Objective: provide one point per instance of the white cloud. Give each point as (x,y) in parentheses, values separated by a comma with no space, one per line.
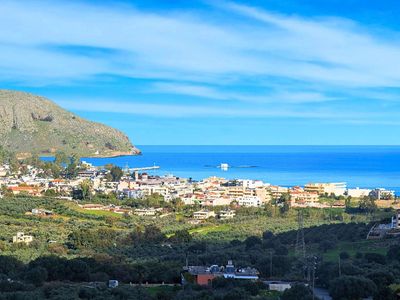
(287,60)
(190,111)
(191,46)
(294,97)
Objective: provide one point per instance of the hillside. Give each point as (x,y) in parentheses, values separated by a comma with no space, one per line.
(33,124)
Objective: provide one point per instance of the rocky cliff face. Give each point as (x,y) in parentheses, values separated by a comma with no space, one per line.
(33,124)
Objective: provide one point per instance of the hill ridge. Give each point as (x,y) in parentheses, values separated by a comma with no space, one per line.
(33,124)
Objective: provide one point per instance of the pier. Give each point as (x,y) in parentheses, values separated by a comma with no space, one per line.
(143,169)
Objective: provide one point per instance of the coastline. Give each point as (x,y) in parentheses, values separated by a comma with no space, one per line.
(364,167)
(114,154)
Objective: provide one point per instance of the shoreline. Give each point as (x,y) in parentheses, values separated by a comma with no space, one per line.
(115,154)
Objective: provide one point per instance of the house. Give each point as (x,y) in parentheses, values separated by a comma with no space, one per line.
(22,238)
(87,173)
(41,212)
(379,231)
(299,196)
(396,220)
(249,201)
(203,275)
(203,214)
(220,201)
(133,193)
(30,190)
(3,171)
(227,214)
(279,286)
(382,194)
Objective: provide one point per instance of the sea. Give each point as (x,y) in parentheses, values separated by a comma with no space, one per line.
(359,166)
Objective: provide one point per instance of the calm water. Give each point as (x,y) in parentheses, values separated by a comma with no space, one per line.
(359,166)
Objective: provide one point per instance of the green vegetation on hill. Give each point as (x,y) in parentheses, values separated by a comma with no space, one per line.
(75,246)
(33,124)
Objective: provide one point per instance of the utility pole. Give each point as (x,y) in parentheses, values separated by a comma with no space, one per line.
(270,263)
(187,260)
(313,282)
(314,266)
(300,248)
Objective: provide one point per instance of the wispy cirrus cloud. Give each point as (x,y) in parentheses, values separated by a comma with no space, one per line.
(140,108)
(184,43)
(241,54)
(204,91)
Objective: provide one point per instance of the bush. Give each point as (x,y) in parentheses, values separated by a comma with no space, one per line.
(297,292)
(344,255)
(252,241)
(36,276)
(351,287)
(375,257)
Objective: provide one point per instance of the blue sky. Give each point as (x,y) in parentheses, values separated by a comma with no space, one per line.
(301,72)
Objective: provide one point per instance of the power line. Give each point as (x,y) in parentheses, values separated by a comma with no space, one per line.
(300,248)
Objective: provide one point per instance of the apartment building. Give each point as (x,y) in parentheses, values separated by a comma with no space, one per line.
(336,188)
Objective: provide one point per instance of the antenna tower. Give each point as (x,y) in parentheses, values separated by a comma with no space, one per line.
(300,248)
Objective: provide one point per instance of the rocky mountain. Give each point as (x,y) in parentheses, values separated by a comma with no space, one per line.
(33,124)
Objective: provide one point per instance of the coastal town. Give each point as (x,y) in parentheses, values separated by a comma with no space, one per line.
(89,181)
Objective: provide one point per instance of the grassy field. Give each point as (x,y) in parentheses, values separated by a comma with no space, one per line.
(154,290)
(352,248)
(204,230)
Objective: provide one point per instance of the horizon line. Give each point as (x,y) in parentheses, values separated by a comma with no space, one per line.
(263,145)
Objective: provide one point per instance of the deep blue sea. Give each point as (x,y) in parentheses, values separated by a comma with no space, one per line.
(359,166)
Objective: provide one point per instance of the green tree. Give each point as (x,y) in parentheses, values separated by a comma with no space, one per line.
(61,158)
(86,187)
(72,167)
(351,288)
(115,174)
(154,200)
(284,203)
(367,204)
(36,276)
(297,292)
(178,204)
(181,236)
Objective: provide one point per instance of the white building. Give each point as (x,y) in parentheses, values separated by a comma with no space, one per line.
(203,214)
(133,193)
(277,191)
(252,184)
(249,201)
(336,188)
(358,193)
(227,214)
(220,201)
(396,220)
(22,238)
(382,194)
(3,171)
(279,286)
